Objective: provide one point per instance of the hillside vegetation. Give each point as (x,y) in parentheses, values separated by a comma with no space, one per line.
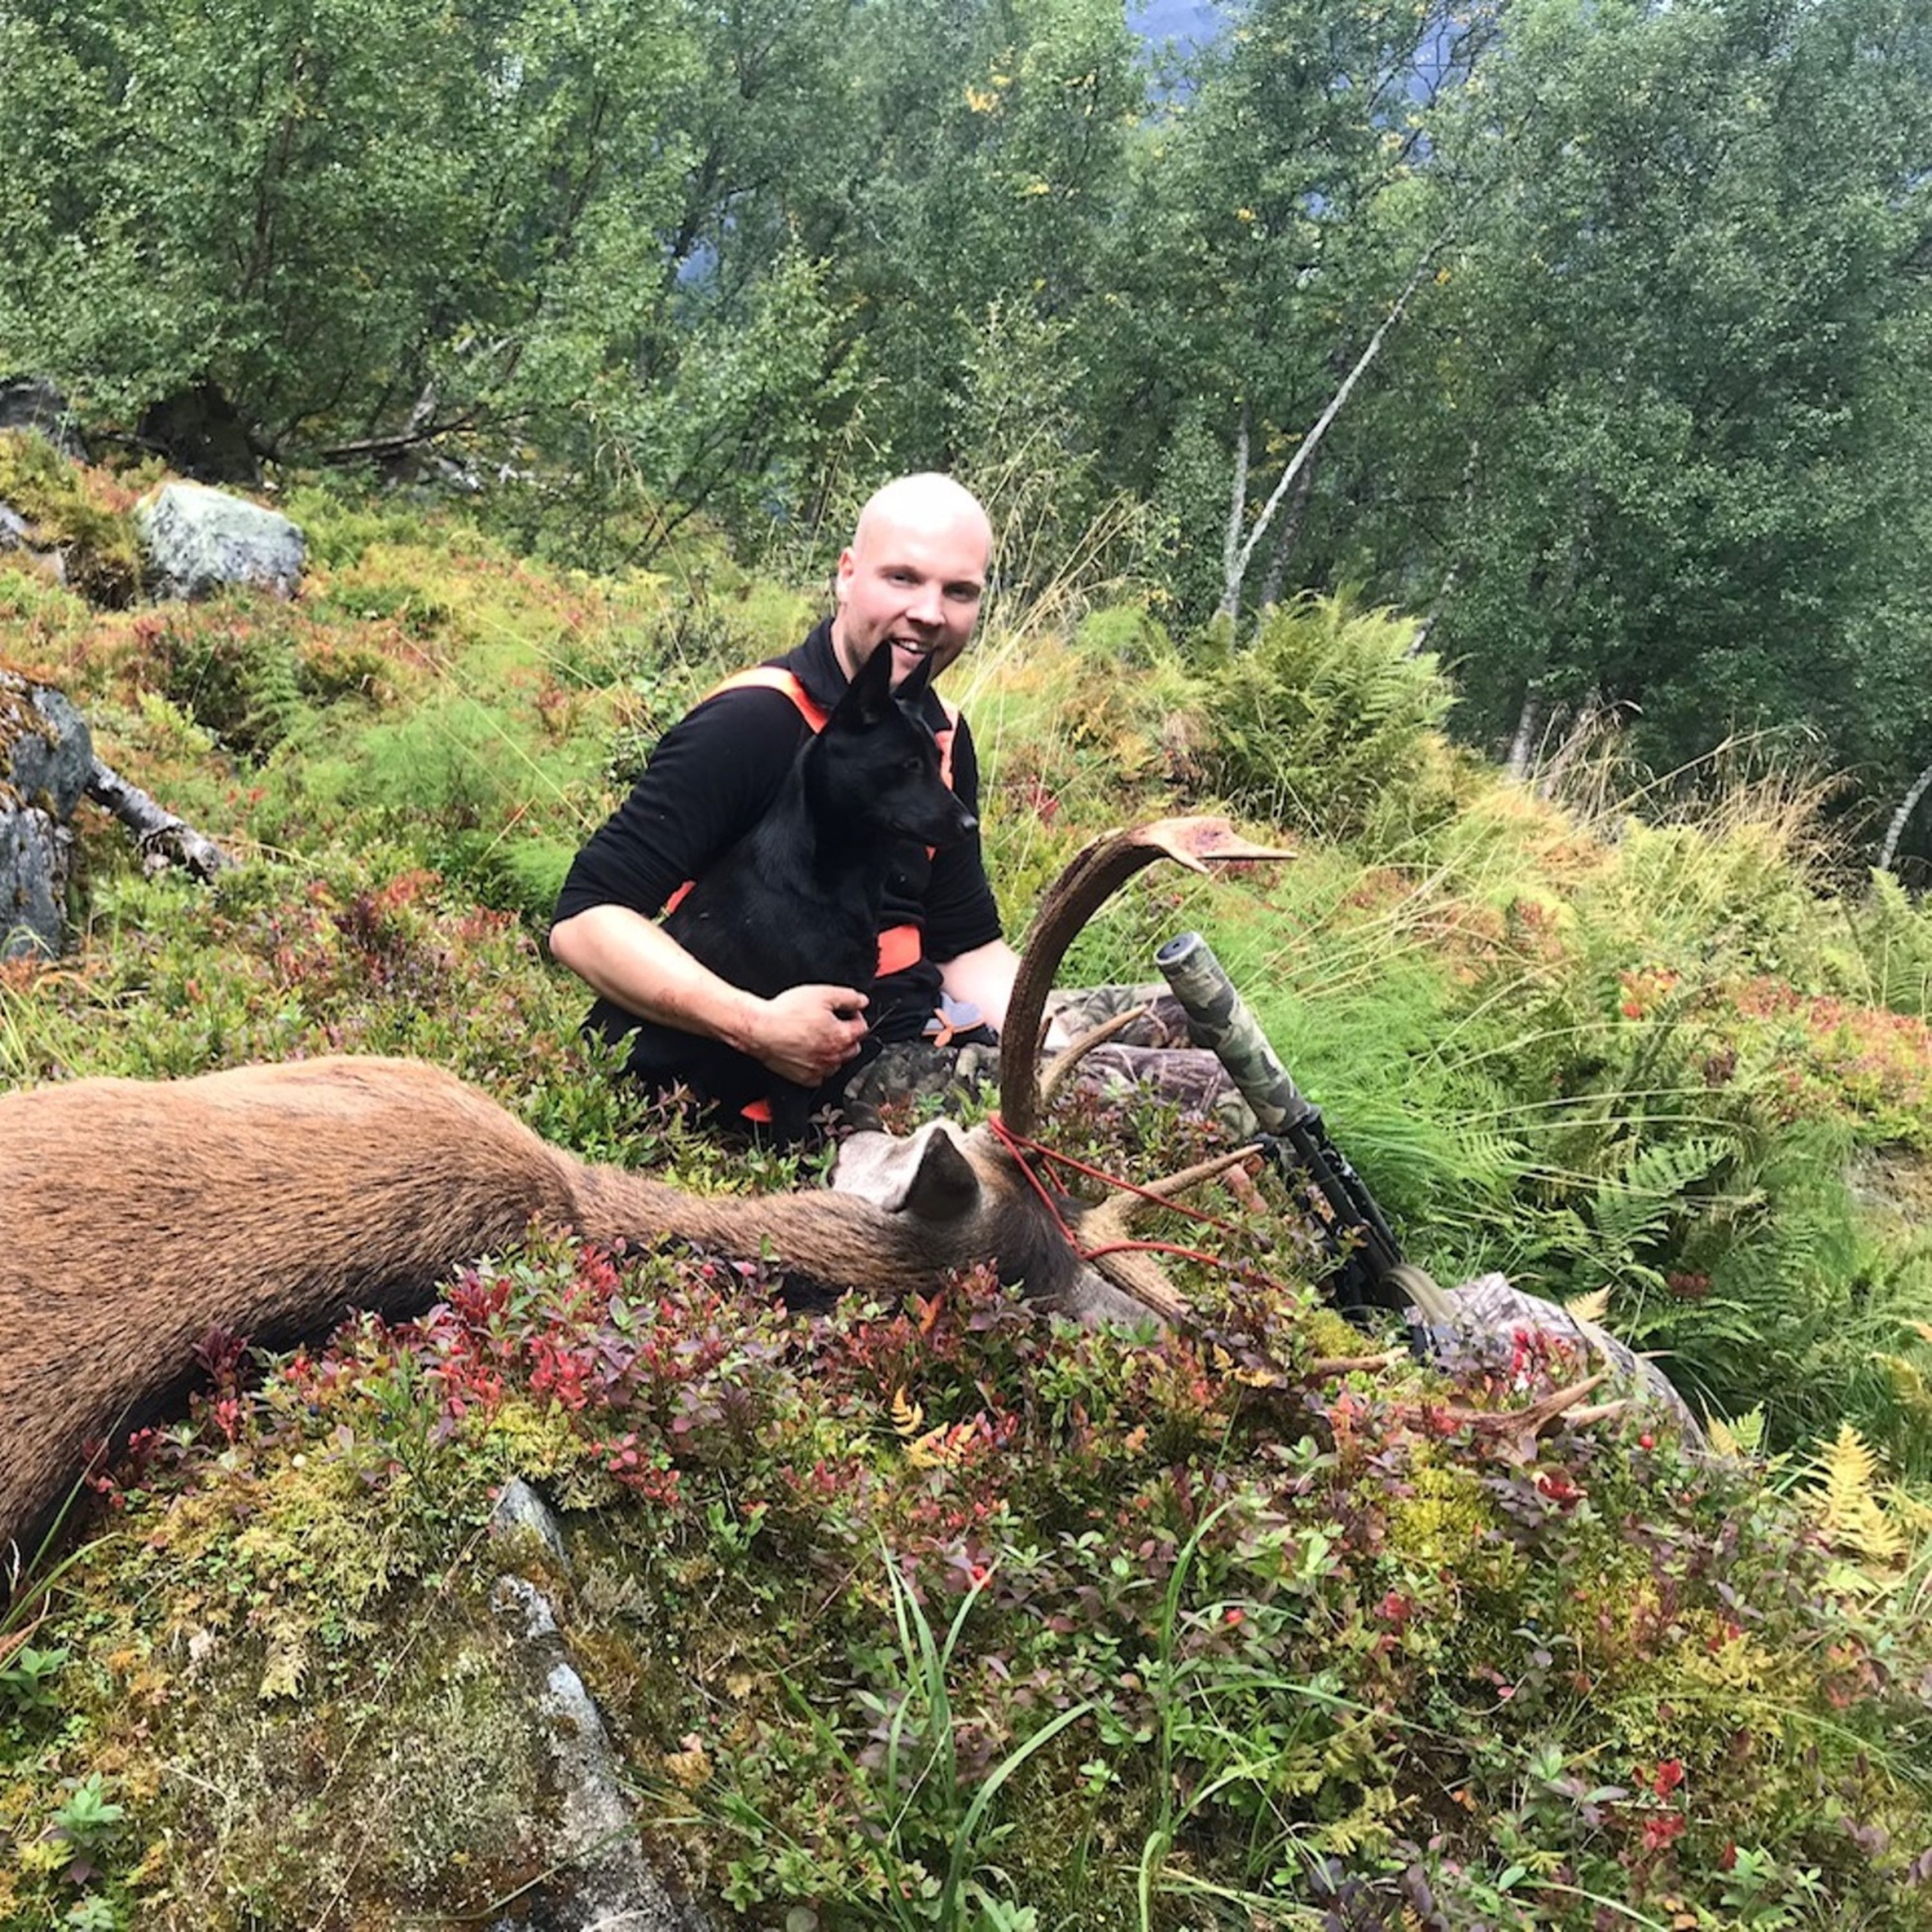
(941,1615)
(1594,330)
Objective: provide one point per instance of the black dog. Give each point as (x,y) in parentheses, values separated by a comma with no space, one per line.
(797,901)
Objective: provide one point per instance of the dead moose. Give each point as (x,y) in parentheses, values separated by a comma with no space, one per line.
(135,1217)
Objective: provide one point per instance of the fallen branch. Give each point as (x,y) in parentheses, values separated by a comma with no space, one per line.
(164,838)
(1324,1367)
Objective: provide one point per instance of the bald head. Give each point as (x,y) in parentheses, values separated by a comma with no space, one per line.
(928,501)
(913,576)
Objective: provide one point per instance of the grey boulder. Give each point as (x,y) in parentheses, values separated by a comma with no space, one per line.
(198,539)
(45,756)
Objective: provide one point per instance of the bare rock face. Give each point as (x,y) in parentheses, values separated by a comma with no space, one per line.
(198,539)
(46,755)
(603,1881)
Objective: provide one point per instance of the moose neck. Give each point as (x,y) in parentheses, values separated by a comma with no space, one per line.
(834,1239)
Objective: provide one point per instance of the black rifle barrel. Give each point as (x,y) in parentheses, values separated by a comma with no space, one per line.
(1219,1019)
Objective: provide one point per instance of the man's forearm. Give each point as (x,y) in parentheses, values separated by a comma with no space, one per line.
(634,963)
(983,978)
(805,1034)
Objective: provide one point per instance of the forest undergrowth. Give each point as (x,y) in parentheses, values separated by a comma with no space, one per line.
(944,1615)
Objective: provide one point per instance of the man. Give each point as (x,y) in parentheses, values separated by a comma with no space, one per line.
(910,582)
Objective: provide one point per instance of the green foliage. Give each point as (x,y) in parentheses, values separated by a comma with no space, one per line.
(1648,437)
(238,679)
(1892,933)
(88,1818)
(1325,716)
(1667,475)
(80,513)
(254,215)
(27,1677)
(1140,1639)
(943,1822)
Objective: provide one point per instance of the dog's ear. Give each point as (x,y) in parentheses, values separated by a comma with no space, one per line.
(913,688)
(869,697)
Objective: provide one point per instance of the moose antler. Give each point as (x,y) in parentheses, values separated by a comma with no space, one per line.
(1093,876)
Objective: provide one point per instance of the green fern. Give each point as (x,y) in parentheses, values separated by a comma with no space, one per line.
(1634,1207)
(1893,937)
(1324,714)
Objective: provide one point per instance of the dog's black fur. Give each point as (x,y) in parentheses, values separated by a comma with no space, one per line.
(796,901)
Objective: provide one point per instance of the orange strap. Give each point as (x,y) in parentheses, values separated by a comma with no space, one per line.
(769,677)
(900,946)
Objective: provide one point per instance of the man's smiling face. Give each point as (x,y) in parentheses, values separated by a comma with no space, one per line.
(912,579)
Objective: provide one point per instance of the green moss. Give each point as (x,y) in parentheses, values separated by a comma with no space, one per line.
(82,513)
(427,1738)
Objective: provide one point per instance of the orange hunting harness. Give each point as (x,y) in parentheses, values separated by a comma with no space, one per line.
(900,946)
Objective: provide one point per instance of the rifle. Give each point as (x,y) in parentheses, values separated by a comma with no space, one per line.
(1371,1272)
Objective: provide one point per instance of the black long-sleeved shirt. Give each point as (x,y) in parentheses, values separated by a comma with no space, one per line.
(715,774)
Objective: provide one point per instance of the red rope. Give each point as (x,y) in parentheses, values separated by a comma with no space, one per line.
(1020,1145)
(1155,1248)
(1015,1146)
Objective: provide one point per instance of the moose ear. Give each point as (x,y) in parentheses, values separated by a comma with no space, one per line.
(928,1177)
(946,1185)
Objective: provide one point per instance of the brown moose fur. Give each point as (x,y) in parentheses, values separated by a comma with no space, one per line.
(136,1216)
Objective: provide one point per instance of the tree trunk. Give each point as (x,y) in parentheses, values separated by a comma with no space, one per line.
(1287,536)
(1895,831)
(1236,555)
(1529,727)
(164,838)
(1232,562)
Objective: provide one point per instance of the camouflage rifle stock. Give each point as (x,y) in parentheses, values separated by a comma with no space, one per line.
(1372,1271)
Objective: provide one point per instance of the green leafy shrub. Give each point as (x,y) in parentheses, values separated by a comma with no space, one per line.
(233,668)
(1892,937)
(1324,716)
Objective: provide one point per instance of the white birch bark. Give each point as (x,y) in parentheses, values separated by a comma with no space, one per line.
(163,838)
(1237,555)
(1907,805)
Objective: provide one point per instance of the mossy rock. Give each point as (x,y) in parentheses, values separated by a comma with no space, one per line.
(79,514)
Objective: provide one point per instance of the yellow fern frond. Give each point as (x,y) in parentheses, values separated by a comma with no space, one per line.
(1743,1437)
(1846,1497)
(908,1417)
(1910,1385)
(1589,1307)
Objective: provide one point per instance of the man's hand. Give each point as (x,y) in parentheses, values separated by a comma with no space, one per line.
(805,1034)
(808,1033)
